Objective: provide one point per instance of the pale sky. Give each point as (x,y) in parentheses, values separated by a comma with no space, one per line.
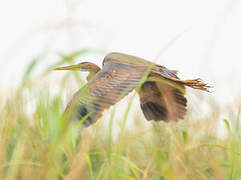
(209,47)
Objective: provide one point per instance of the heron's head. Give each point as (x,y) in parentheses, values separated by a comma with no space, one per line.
(84,66)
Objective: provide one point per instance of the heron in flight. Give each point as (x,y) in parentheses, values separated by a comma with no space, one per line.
(161,92)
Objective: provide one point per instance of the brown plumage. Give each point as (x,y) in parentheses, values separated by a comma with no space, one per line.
(161,91)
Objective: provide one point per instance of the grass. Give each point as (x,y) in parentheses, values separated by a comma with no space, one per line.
(38,145)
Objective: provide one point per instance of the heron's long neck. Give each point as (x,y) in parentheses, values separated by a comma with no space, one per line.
(92,71)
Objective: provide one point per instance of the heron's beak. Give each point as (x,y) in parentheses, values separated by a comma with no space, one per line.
(71,68)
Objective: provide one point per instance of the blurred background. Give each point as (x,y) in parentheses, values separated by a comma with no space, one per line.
(198,38)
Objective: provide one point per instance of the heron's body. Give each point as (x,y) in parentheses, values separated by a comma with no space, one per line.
(161,91)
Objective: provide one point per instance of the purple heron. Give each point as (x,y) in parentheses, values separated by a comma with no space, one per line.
(161,92)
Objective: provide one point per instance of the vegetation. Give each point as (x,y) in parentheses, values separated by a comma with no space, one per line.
(35,142)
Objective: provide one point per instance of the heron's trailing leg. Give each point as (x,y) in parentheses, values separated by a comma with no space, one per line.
(195,84)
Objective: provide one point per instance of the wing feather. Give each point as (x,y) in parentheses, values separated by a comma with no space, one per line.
(162,101)
(107,87)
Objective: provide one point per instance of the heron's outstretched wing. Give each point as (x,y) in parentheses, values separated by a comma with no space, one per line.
(157,69)
(107,87)
(163,101)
